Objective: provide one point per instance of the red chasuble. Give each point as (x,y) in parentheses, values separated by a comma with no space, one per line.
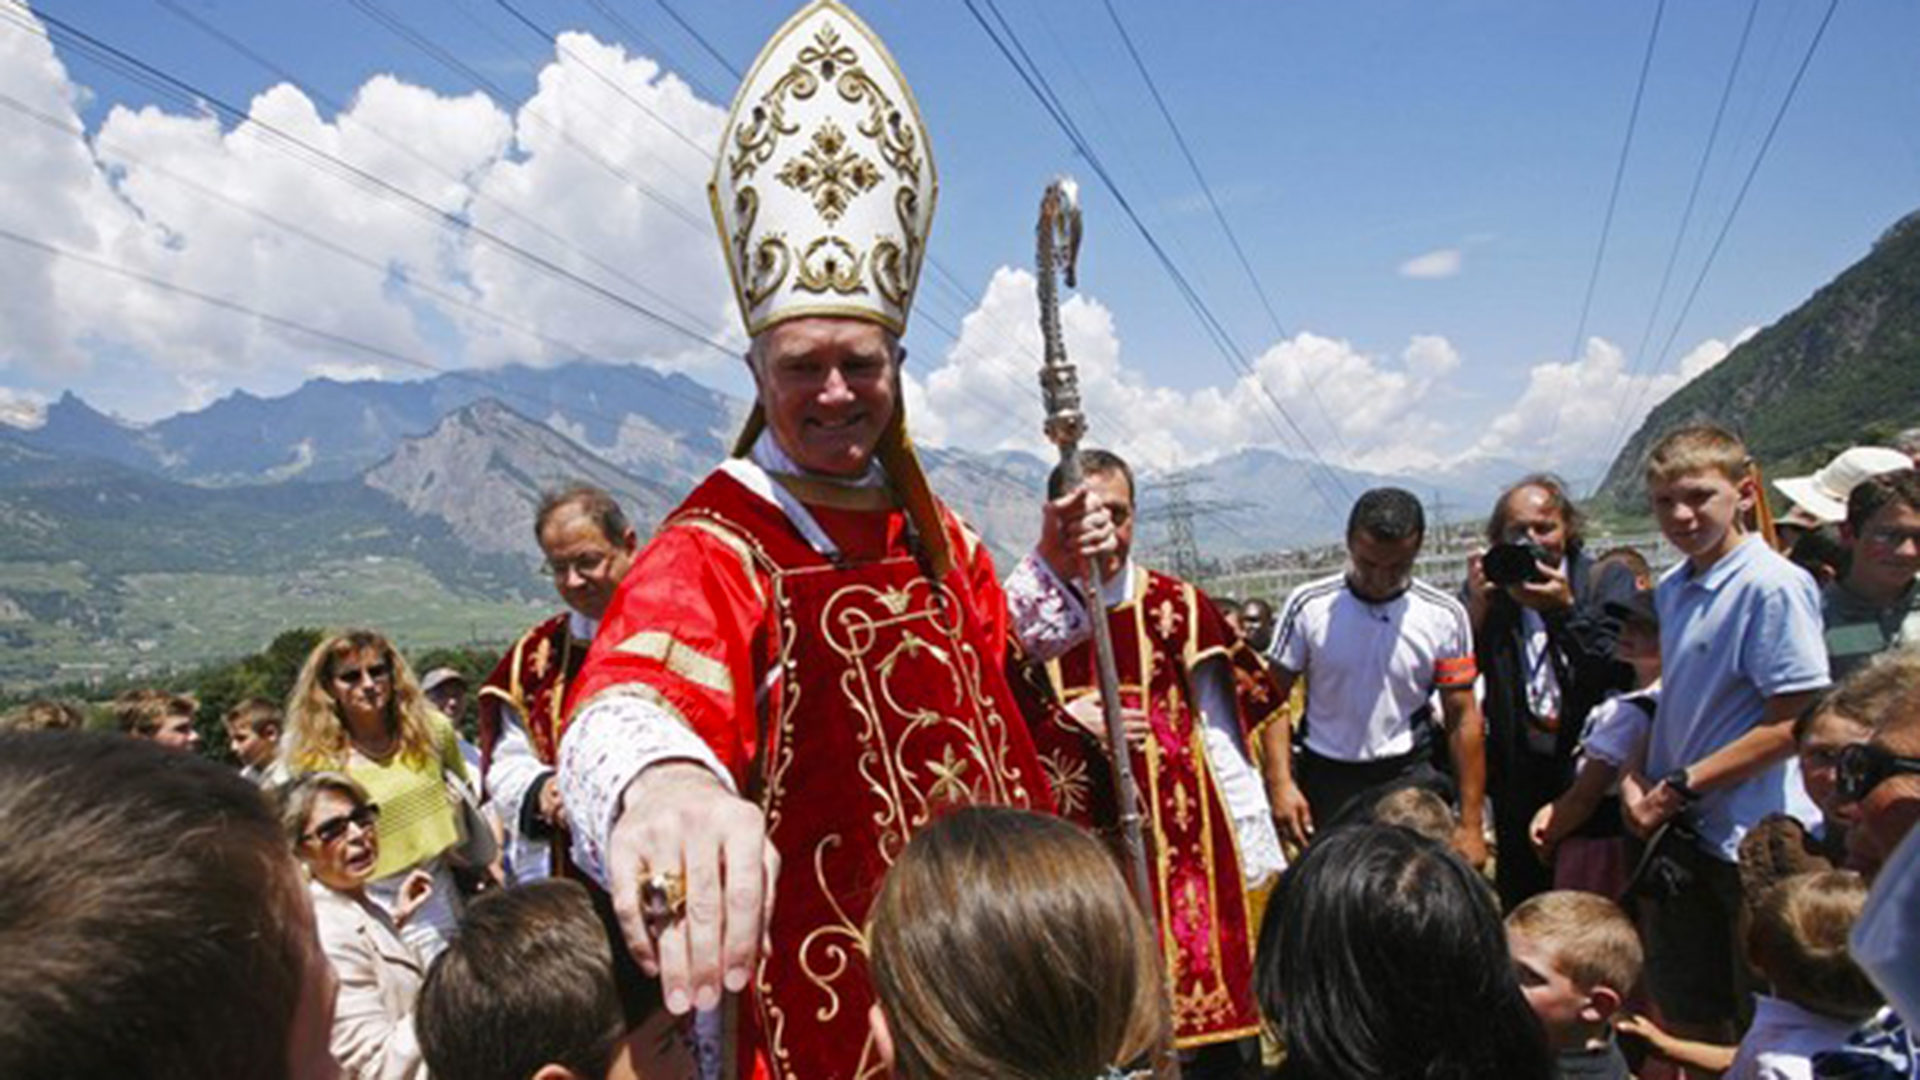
(1160,635)
(891,702)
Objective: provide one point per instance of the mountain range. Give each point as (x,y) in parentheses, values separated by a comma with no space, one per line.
(410,505)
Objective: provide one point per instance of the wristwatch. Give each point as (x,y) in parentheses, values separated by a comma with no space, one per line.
(1677,781)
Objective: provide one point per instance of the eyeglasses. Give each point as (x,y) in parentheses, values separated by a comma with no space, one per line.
(334,828)
(352,676)
(1864,766)
(1891,538)
(589,565)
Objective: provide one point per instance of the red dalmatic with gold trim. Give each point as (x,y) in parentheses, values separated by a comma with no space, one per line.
(1161,633)
(853,699)
(533,678)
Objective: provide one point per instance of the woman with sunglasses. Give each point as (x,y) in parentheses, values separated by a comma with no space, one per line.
(332,826)
(357,709)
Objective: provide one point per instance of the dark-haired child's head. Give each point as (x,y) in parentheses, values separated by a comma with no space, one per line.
(1578,957)
(536,986)
(1006,944)
(1382,956)
(1797,940)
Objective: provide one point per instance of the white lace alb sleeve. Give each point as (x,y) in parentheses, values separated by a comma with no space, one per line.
(1049,617)
(512,778)
(1246,797)
(514,768)
(612,740)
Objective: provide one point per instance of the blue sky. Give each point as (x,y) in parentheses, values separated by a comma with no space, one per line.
(1345,141)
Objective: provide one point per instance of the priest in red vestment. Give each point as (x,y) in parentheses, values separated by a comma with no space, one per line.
(809,660)
(588,546)
(1193,694)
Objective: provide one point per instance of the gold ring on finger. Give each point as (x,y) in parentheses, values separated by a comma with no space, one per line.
(663,897)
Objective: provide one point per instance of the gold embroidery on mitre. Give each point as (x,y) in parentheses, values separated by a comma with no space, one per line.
(817,249)
(833,174)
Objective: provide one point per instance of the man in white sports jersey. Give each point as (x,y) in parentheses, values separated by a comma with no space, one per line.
(1375,645)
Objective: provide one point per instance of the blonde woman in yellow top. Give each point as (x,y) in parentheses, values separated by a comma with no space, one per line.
(357,709)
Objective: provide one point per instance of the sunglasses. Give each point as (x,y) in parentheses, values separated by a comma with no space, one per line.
(352,676)
(1861,767)
(334,828)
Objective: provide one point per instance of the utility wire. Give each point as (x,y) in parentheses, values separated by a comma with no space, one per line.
(1613,201)
(1219,215)
(1639,360)
(284,323)
(325,161)
(1733,212)
(480,195)
(1035,83)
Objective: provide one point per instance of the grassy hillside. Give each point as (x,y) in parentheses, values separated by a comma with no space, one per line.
(1840,370)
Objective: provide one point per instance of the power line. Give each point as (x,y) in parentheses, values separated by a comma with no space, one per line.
(1613,200)
(547,35)
(1740,198)
(327,162)
(1686,218)
(279,321)
(425,44)
(1036,84)
(480,195)
(1219,215)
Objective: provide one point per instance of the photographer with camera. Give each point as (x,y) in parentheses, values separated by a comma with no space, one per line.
(1545,649)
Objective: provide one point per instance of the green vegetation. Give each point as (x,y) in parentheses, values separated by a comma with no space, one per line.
(147,626)
(1842,369)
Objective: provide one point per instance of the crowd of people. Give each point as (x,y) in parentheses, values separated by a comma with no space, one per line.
(803,787)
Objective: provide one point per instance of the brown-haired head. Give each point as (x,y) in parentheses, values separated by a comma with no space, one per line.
(44,714)
(530,980)
(1699,448)
(1798,940)
(318,733)
(1073,987)
(1419,809)
(1590,940)
(139,712)
(599,507)
(153,921)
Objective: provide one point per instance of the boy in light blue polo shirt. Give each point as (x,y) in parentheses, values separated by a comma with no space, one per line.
(1740,634)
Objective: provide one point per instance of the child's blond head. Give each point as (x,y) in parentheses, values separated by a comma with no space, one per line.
(1698,448)
(1588,938)
(1798,939)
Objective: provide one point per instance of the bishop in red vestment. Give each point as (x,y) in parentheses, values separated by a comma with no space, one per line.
(810,658)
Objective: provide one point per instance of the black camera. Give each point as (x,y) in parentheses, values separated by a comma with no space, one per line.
(1514,564)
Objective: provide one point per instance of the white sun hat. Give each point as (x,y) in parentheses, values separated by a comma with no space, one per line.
(1824,494)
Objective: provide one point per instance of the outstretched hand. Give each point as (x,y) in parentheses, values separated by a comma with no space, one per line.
(677,817)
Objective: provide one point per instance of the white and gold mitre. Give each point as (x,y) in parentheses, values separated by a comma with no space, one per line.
(824,188)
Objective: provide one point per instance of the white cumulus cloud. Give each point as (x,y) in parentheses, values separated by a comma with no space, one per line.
(179,197)
(1440,263)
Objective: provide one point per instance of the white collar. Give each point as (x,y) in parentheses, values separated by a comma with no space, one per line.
(768,455)
(581,628)
(1118,589)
